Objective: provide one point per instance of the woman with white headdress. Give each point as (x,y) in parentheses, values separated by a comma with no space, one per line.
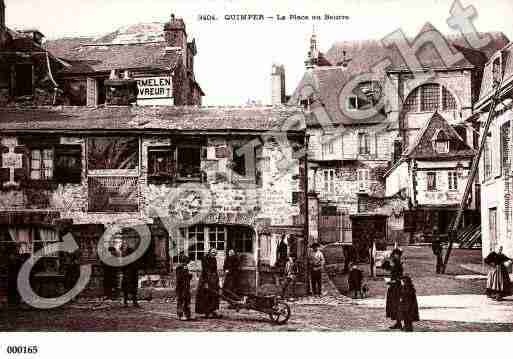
(498,284)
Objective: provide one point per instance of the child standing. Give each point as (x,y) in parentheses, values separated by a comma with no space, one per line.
(183,289)
(354,281)
(408,306)
(289,280)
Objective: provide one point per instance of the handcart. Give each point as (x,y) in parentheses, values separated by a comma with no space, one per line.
(277,309)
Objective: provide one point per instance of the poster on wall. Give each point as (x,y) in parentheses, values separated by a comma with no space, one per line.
(154,88)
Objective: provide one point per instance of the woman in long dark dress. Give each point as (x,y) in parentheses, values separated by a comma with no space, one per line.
(498,284)
(395,267)
(207,295)
(408,305)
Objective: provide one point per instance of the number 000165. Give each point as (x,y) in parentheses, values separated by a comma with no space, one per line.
(22,349)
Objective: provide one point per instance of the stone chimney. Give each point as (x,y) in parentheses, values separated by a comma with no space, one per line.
(120,91)
(278,95)
(174,33)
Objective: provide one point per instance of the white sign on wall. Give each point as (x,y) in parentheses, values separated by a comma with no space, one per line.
(154,87)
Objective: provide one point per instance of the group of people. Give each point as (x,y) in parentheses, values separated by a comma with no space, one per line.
(208,291)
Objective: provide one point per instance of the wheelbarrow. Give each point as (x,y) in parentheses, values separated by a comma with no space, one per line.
(277,309)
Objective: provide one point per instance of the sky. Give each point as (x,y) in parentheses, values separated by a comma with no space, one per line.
(234,58)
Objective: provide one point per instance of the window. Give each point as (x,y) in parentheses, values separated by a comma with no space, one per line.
(441,142)
(412,101)
(431,181)
(68,163)
(217,237)
(195,242)
(161,163)
(364,143)
(487,164)
(23,80)
(505,147)
(241,240)
(429,98)
(327,146)
(448,101)
(328,177)
(358,103)
(41,164)
(113,174)
(296,197)
(239,161)
(453,181)
(363,180)
(189,162)
(328,210)
(113,153)
(492,225)
(27,241)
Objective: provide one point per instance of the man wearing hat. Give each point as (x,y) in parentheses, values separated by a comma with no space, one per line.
(316,265)
(183,288)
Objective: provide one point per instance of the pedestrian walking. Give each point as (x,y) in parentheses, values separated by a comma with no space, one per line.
(436,246)
(110,277)
(207,295)
(354,281)
(498,284)
(289,279)
(395,267)
(316,266)
(183,289)
(231,269)
(130,280)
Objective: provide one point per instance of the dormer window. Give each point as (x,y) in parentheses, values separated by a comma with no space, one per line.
(367,95)
(441,142)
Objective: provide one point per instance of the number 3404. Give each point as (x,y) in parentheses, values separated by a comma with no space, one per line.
(22,349)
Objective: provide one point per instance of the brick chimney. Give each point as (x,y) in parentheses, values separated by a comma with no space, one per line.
(120,91)
(278,95)
(176,36)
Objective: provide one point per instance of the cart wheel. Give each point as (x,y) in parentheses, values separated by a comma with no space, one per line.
(280,313)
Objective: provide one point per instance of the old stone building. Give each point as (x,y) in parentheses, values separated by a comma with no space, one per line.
(368,108)
(27,70)
(188,178)
(495,165)
(159,57)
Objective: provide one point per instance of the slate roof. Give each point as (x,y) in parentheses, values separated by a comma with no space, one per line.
(507,64)
(103,58)
(422,148)
(145,118)
(363,55)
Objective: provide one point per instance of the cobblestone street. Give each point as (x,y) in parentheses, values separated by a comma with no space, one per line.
(453,302)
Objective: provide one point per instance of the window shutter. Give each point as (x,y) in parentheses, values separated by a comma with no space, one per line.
(92,92)
(68,163)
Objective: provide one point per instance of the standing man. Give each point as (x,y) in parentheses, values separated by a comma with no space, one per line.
(436,246)
(130,279)
(316,266)
(231,274)
(183,289)
(289,278)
